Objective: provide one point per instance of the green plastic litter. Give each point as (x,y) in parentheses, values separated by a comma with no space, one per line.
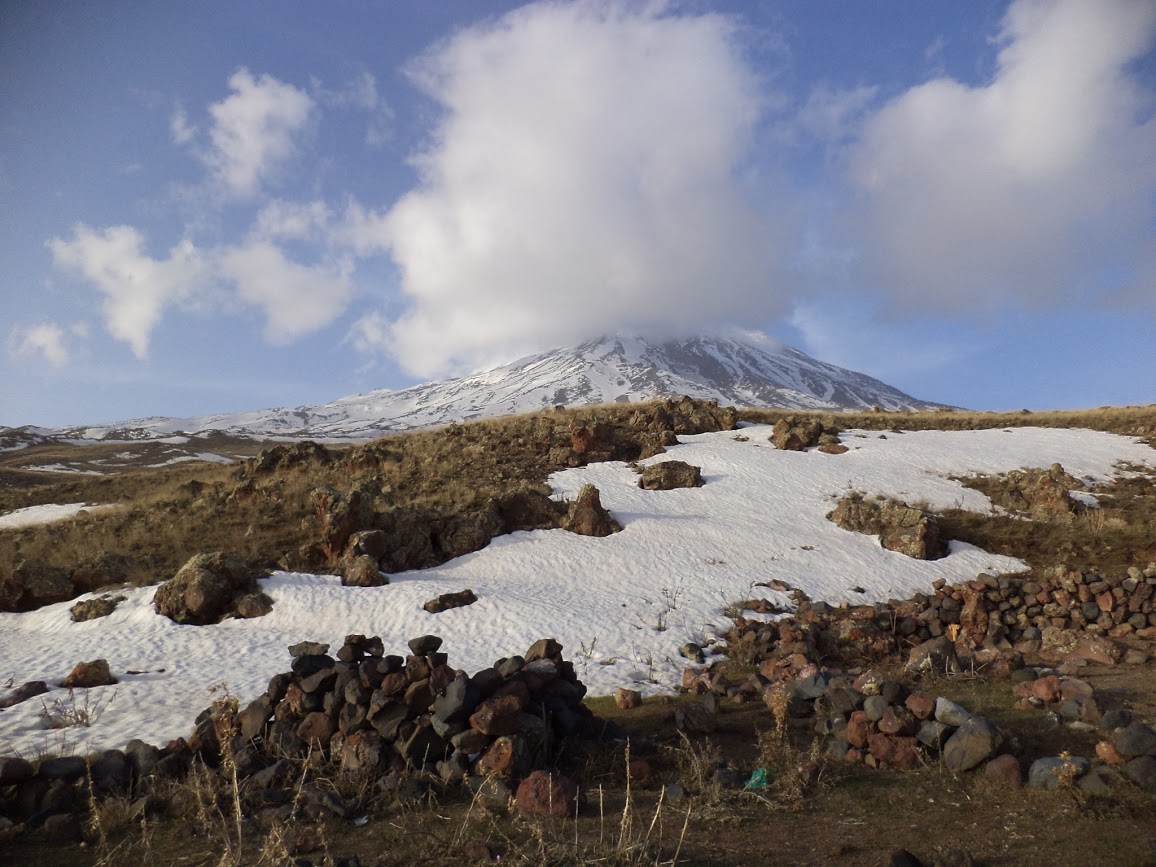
(758,779)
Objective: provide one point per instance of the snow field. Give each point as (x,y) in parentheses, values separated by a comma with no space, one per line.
(621,606)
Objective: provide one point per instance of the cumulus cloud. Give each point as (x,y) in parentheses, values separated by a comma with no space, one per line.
(136,287)
(254,131)
(297,299)
(1032,188)
(583,178)
(46,341)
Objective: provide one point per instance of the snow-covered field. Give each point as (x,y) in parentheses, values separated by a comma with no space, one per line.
(621,606)
(47,514)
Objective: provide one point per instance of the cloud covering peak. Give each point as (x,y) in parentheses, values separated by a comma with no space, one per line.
(584,177)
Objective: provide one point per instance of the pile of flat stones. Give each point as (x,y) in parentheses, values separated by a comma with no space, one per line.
(991,622)
(375,713)
(403,722)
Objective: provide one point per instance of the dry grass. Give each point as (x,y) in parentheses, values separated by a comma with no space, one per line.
(167,515)
(1138,421)
(1119,534)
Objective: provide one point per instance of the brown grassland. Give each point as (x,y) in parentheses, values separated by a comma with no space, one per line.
(841,815)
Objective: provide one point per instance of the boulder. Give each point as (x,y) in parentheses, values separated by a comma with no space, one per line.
(206,589)
(973,743)
(1039,492)
(1052,772)
(626,698)
(24,692)
(796,434)
(446,601)
(669,475)
(1135,739)
(1005,769)
(91,609)
(1142,771)
(587,517)
(529,510)
(362,571)
(89,674)
(105,568)
(936,655)
(909,531)
(547,794)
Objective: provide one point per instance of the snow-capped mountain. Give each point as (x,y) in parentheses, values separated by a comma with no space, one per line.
(743,369)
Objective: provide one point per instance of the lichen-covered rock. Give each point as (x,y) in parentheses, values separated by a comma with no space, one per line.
(91,609)
(207,589)
(900,527)
(793,434)
(669,475)
(1039,492)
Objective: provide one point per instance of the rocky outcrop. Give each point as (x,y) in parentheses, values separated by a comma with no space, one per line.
(210,588)
(338,518)
(1042,493)
(900,527)
(100,570)
(797,434)
(668,475)
(587,516)
(33,583)
(286,458)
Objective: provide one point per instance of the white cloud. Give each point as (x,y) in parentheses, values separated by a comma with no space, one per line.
(296,299)
(254,131)
(582,179)
(45,341)
(181,130)
(1037,187)
(136,287)
(369,334)
(299,221)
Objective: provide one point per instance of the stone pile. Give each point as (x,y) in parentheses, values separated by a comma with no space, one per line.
(372,712)
(991,622)
(399,721)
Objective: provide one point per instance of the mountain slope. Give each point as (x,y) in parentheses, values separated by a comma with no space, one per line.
(744,370)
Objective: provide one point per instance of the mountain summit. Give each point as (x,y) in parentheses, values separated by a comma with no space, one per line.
(743,369)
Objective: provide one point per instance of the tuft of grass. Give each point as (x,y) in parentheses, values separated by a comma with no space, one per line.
(73,712)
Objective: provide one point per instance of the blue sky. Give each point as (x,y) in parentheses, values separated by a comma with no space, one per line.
(225,206)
